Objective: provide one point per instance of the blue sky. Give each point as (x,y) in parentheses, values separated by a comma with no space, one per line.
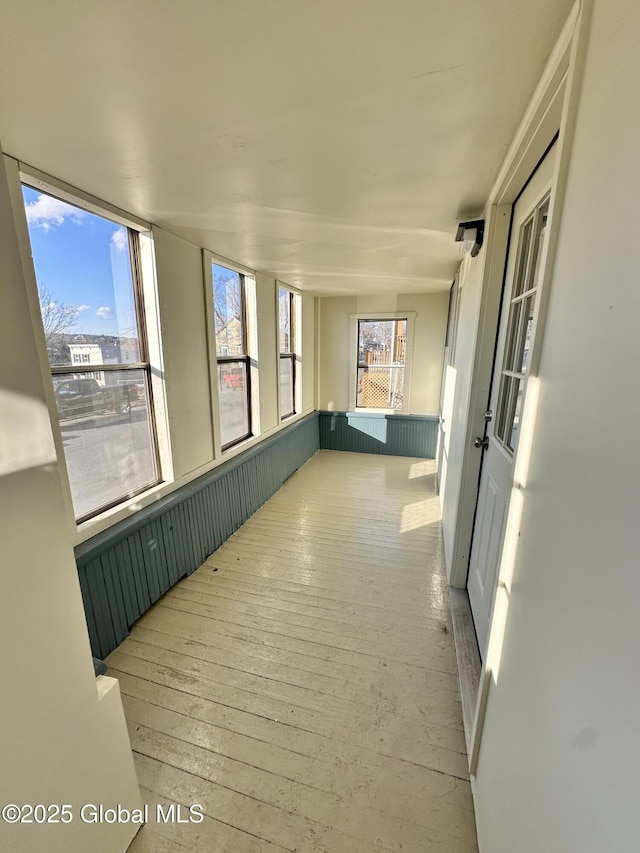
(83,261)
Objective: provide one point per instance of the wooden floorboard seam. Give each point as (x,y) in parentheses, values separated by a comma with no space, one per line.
(302,684)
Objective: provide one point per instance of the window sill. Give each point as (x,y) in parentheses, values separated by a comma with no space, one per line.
(240,444)
(92,526)
(365,411)
(100,523)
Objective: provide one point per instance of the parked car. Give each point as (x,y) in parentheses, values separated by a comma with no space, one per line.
(75,397)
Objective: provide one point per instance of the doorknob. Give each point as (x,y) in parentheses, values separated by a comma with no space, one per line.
(481,442)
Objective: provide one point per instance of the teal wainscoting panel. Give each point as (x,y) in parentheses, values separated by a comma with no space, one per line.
(368,432)
(124,570)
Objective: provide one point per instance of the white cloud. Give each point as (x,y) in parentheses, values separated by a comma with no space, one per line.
(104,311)
(82,308)
(119,240)
(47,212)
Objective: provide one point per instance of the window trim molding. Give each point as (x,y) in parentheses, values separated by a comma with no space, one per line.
(19,174)
(410,317)
(295,353)
(65,192)
(209,258)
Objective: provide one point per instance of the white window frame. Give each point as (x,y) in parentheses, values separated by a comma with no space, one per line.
(21,173)
(209,258)
(410,317)
(296,348)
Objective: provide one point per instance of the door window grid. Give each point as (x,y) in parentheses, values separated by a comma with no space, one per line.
(519,328)
(232,355)
(106,416)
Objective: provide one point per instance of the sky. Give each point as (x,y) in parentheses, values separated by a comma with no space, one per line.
(83,261)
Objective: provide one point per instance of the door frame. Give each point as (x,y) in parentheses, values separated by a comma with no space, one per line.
(536,193)
(446,399)
(552,111)
(542,121)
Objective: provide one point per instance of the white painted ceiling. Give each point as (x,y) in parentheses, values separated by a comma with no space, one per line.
(332,143)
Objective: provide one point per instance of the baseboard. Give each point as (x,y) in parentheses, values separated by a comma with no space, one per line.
(125,569)
(374,432)
(468,656)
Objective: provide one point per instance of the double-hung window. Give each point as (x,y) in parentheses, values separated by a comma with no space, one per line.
(87,270)
(287,347)
(381,361)
(381,346)
(232,354)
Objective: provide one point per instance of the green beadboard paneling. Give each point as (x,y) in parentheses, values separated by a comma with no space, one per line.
(369,432)
(124,570)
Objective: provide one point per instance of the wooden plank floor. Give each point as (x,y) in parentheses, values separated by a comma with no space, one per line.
(301,685)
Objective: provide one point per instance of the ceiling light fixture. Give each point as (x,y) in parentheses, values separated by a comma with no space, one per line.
(470,235)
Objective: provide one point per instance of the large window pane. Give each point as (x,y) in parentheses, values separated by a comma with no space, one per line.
(234,401)
(85,284)
(89,296)
(229,307)
(286,387)
(229,312)
(284,318)
(288,367)
(107,436)
(381,359)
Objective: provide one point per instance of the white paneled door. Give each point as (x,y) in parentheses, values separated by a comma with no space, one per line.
(516,337)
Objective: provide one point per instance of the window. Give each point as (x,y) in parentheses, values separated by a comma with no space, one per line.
(232,354)
(382,348)
(287,347)
(87,271)
(519,328)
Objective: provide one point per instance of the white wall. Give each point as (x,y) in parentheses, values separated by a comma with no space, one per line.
(456,401)
(334,346)
(266,293)
(185,352)
(308,352)
(181,296)
(559,758)
(60,742)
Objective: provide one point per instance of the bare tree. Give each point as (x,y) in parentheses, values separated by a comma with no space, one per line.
(57,318)
(226,301)
(228,313)
(284,311)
